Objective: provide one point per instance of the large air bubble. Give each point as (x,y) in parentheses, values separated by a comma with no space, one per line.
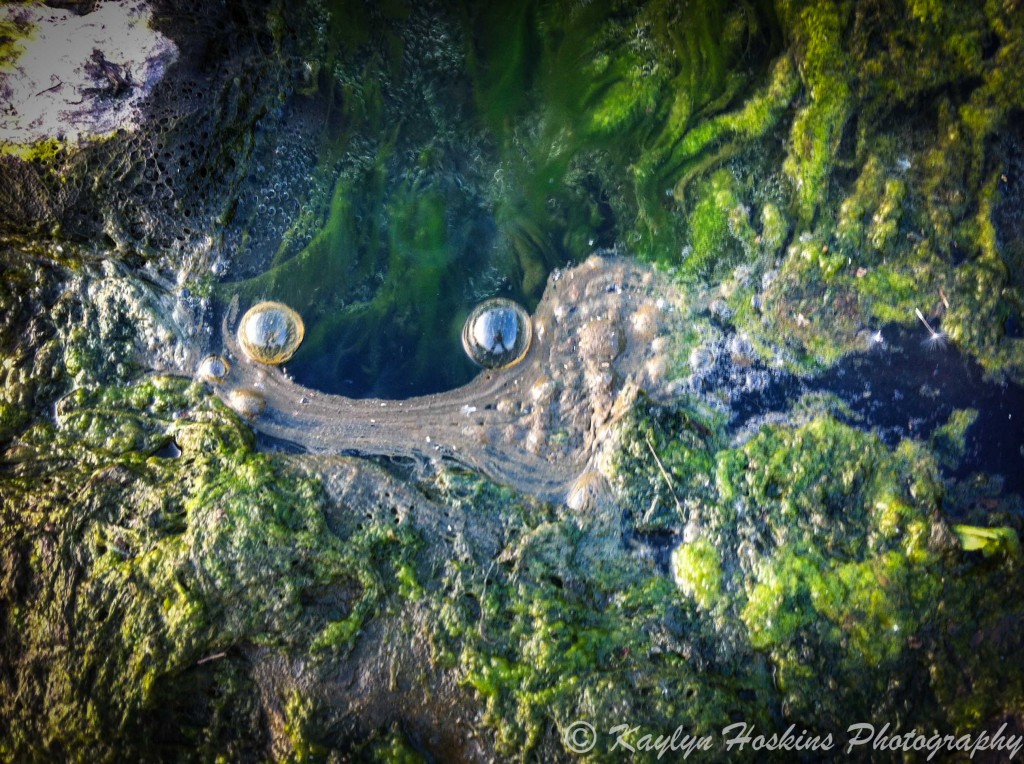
(270,332)
(497,333)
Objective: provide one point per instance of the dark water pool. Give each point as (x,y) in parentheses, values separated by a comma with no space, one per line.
(904,388)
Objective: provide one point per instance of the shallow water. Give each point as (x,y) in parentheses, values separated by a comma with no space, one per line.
(905,389)
(383,224)
(387,281)
(420,159)
(386,207)
(421,179)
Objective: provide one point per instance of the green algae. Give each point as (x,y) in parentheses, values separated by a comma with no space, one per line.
(886,189)
(720,232)
(157,564)
(817,548)
(542,636)
(856,571)
(948,442)
(302,730)
(988,541)
(41,151)
(11,32)
(393,246)
(845,151)
(752,120)
(392,748)
(620,87)
(682,441)
(891,242)
(697,570)
(817,31)
(140,580)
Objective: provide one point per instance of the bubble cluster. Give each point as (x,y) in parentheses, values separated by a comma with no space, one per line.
(276,201)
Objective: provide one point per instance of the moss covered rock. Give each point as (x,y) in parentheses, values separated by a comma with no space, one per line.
(136,577)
